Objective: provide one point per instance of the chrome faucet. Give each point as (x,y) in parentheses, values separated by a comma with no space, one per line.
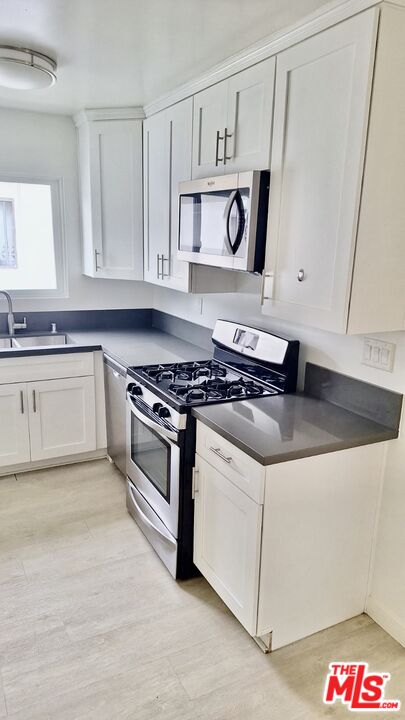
(12,325)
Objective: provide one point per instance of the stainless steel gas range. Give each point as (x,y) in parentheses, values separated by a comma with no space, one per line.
(247,363)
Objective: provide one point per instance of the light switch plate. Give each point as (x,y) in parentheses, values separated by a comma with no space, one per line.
(378,354)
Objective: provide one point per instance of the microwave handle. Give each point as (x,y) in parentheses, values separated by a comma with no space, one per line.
(171,434)
(234,197)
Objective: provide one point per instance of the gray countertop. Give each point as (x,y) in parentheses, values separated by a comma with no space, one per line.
(287,427)
(140,346)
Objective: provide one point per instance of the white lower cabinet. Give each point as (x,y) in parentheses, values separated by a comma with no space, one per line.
(62,417)
(227,534)
(45,416)
(293,560)
(14,435)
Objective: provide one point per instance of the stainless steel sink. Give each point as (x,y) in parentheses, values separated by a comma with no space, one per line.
(5,343)
(21,341)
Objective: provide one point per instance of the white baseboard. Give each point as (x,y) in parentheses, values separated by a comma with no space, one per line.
(53,462)
(386,619)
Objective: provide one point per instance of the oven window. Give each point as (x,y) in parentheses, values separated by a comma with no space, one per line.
(151,454)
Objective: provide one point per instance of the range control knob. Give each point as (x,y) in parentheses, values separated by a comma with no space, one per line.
(164,412)
(135,390)
(156,407)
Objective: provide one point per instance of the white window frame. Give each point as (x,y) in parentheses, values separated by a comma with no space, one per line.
(58,223)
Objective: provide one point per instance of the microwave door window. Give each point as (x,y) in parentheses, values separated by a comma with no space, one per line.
(203,222)
(190,223)
(213,236)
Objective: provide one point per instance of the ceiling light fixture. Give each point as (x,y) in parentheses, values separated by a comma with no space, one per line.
(25,69)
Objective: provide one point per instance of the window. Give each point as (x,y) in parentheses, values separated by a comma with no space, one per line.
(31,247)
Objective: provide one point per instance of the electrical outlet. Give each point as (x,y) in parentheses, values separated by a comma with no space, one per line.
(378,354)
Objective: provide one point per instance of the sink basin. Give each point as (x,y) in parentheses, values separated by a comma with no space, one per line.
(38,341)
(5,343)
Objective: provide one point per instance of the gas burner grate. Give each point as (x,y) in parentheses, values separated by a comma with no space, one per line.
(216,389)
(185,371)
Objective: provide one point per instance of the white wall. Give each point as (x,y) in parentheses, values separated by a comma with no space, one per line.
(343,354)
(44,145)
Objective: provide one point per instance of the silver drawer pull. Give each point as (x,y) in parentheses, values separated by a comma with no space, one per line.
(217,451)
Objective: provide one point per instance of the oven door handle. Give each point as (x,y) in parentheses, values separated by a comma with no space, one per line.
(167,538)
(160,429)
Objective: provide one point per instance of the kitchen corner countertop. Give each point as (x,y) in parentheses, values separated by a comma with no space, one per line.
(288,427)
(139,346)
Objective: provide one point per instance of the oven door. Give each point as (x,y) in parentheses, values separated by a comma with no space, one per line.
(153,463)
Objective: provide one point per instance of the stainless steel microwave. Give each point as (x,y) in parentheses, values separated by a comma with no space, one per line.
(223,220)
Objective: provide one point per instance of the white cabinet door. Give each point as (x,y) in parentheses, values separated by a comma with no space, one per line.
(210,116)
(14,433)
(250,117)
(167,161)
(227,536)
(156,194)
(322,98)
(176,273)
(233,121)
(110,163)
(62,417)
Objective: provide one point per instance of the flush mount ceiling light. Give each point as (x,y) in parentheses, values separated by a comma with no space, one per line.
(25,69)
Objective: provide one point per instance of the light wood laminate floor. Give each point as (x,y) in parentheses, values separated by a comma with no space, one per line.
(93,627)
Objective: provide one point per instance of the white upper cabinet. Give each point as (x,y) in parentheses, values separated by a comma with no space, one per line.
(321,123)
(110,167)
(250,116)
(232,123)
(210,118)
(167,161)
(167,142)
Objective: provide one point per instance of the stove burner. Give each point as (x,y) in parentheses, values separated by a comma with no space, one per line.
(216,389)
(244,387)
(166,375)
(185,371)
(209,381)
(196,394)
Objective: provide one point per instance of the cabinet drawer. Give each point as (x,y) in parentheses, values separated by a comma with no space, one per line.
(45,367)
(239,468)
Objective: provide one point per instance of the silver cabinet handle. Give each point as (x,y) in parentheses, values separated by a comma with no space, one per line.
(194,490)
(34,401)
(96,254)
(22,401)
(163,274)
(301,275)
(157,266)
(226,136)
(267,288)
(217,451)
(219,137)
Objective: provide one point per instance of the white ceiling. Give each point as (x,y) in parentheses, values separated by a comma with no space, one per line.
(128,52)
